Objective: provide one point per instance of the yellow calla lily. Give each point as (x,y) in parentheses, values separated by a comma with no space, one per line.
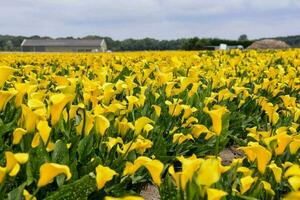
(2,174)
(103,175)
(209,172)
(113,141)
(277,171)
(28,196)
(59,101)
(5,73)
(294,181)
(48,171)
(267,186)
(44,130)
(102,124)
(140,123)
(254,151)
(5,96)
(246,183)
(216,117)
(214,194)
(13,162)
(124,198)
(18,135)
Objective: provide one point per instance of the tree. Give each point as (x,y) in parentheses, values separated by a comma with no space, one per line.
(243,37)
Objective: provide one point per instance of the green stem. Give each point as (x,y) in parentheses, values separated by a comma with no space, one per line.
(34,193)
(217,146)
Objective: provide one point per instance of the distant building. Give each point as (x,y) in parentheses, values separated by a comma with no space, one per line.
(223,47)
(63,45)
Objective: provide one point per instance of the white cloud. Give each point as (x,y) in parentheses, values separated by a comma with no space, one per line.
(150,18)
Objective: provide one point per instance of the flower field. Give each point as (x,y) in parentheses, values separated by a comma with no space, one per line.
(95,126)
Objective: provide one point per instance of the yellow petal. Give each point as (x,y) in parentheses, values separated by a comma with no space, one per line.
(294,181)
(155,168)
(59,101)
(5,96)
(28,196)
(277,171)
(214,194)
(216,117)
(2,174)
(18,135)
(267,186)
(124,198)
(44,130)
(48,171)
(5,73)
(140,123)
(102,124)
(292,196)
(209,172)
(246,183)
(103,175)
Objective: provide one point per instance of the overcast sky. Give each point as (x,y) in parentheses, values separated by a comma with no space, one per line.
(161,19)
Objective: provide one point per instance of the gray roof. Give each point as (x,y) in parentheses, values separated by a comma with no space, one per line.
(62,42)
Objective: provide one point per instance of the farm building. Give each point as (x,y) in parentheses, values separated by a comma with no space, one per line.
(63,45)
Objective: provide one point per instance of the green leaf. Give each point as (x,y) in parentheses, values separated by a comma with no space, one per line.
(79,189)
(16,194)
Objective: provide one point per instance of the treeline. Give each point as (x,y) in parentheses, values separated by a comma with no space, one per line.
(13,43)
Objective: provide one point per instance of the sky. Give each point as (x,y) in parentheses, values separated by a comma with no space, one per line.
(160,19)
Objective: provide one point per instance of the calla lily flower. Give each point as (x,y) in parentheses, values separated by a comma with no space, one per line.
(5,73)
(18,135)
(103,175)
(48,171)
(102,124)
(13,162)
(124,198)
(44,130)
(256,152)
(214,194)
(5,96)
(277,172)
(216,117)
(246,183)
(2,174)
(155,168)
(58,103)
(140,123)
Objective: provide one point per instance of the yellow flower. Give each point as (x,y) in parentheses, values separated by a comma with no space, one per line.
(283,139)
(209,172)
(5,96)
(13,162)
(277,171)
(132,101)
(28,196)
(5,73)
(198,129)
(256,152)
(89,122)
(157,110)
(103,175)
(124,126)
(102,124)
(180,179)
(189,167)
(113,141)
(124,198)
(267,186)
(294,146)
(155,168)
(292,196)
(293,170)
(48,171)
(216,117)
(140,123)
(142,144)
(59,101)
(18,135)
(180,138)
(174,108)
(2,174)
(214,194)
(246,183)
(29,118)
(294,181)
(44,130)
